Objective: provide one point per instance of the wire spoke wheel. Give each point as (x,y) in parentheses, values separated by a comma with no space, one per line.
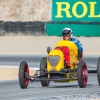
(26,70)
(82,74)
(23,69)
(85,74)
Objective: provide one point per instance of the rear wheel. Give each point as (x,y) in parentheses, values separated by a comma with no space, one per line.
(23,68)
(82,74)
(98,70)
(43,65)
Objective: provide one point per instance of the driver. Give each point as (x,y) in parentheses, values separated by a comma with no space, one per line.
(67,35)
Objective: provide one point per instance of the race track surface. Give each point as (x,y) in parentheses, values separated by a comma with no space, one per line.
(10,90)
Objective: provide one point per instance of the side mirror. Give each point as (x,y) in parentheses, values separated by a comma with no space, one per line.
(49,49)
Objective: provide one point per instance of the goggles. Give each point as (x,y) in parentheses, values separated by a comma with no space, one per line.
(66,35)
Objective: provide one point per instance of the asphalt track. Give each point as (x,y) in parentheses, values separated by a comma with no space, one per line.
(10,90)
(33,60)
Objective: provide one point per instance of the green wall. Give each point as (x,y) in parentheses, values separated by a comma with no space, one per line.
(75,11)
(78,29)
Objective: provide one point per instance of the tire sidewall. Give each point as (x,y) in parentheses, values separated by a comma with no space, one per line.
(80,73)
(43,65)
(22,74)
(98,70)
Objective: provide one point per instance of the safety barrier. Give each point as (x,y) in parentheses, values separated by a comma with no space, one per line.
(35,28)
(38,28)
(2,30)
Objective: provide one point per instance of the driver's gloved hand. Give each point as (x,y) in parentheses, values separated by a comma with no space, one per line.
(80,54)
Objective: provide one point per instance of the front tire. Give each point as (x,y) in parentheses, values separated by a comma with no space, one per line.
(82,74)
(98,70)
(23,68)
(43,65)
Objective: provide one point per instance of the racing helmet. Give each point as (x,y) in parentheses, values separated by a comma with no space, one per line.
(67,31)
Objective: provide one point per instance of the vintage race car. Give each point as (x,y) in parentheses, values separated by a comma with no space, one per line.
(60,65)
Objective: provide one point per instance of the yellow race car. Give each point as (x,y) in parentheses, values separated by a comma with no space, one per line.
(60,65)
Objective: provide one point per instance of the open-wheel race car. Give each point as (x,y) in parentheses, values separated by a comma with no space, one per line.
(60,65)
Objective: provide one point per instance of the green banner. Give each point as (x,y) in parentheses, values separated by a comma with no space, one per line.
(78,29)
(75,10)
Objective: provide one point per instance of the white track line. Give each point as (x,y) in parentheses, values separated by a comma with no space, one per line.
(4,66)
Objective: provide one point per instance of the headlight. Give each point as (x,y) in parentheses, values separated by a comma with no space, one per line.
(53,60)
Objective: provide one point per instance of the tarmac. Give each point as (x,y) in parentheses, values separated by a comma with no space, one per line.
(38,45)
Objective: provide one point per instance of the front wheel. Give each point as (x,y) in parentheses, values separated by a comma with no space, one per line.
(82,74)
(98,70)
(23,68)
(43,66)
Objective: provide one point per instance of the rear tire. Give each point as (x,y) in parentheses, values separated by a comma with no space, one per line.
(82,74)
(43,65)
(98,70)
(22,69)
